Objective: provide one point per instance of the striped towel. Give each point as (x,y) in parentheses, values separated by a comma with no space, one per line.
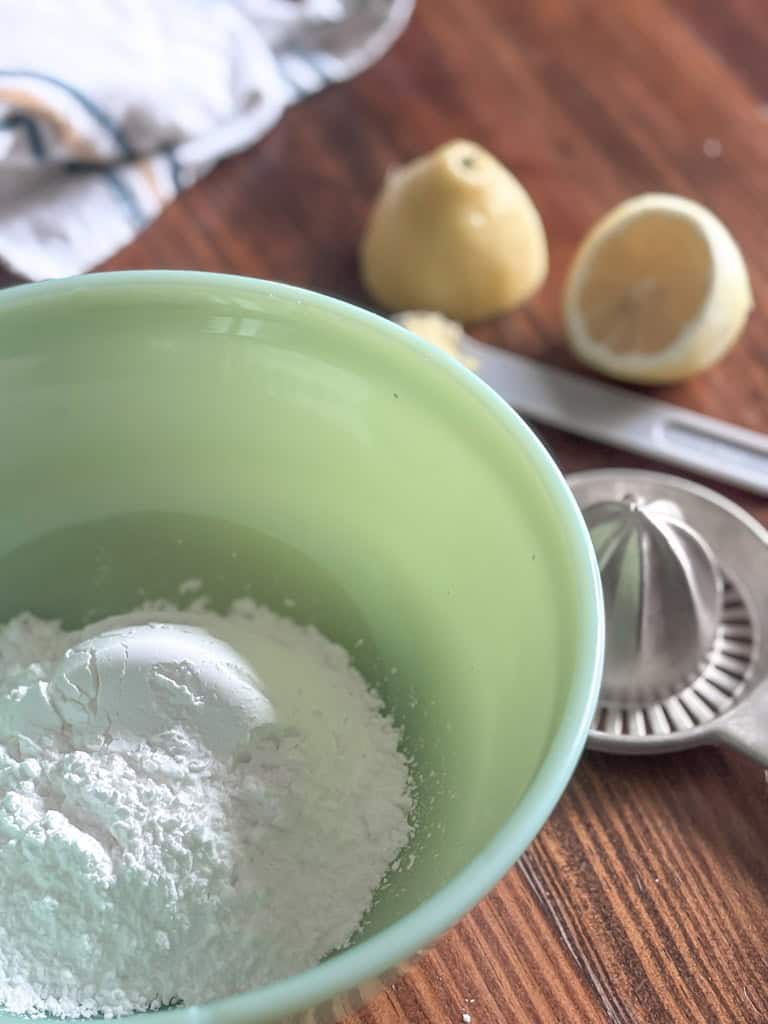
(108,108)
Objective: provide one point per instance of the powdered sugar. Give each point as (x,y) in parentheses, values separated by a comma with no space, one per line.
(141,870)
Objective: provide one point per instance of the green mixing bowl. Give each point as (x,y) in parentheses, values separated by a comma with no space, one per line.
(160,426)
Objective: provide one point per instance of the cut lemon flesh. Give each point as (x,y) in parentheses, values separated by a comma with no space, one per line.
(658,291)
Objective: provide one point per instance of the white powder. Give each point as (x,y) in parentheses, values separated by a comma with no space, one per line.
(184,825)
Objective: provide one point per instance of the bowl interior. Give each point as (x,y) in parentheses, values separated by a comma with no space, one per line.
(272,443)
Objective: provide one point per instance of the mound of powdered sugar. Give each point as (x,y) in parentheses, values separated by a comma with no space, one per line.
(148,856)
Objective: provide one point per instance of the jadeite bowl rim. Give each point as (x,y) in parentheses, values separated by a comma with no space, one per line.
(418,929)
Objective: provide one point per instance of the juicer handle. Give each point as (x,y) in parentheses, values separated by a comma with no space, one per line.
(745,728)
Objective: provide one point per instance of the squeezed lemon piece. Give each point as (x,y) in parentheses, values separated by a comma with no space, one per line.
(437,329)
(453,231)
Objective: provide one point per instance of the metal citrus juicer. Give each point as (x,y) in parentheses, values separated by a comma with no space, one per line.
(685,583)
(684,570)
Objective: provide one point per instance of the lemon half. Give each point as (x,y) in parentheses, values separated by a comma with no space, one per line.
(657,291)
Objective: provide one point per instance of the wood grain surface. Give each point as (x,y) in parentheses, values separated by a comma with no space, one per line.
(645,897)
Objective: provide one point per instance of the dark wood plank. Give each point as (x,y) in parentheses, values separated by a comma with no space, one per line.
(645,896)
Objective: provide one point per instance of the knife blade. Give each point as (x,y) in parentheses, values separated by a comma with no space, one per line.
(614,415)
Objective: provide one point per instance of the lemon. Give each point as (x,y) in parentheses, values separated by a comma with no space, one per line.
(453,231)
(657,291)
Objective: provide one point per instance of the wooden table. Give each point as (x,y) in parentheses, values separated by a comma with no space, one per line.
(645,897)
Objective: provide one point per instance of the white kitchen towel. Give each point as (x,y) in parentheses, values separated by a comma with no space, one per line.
(108,108)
